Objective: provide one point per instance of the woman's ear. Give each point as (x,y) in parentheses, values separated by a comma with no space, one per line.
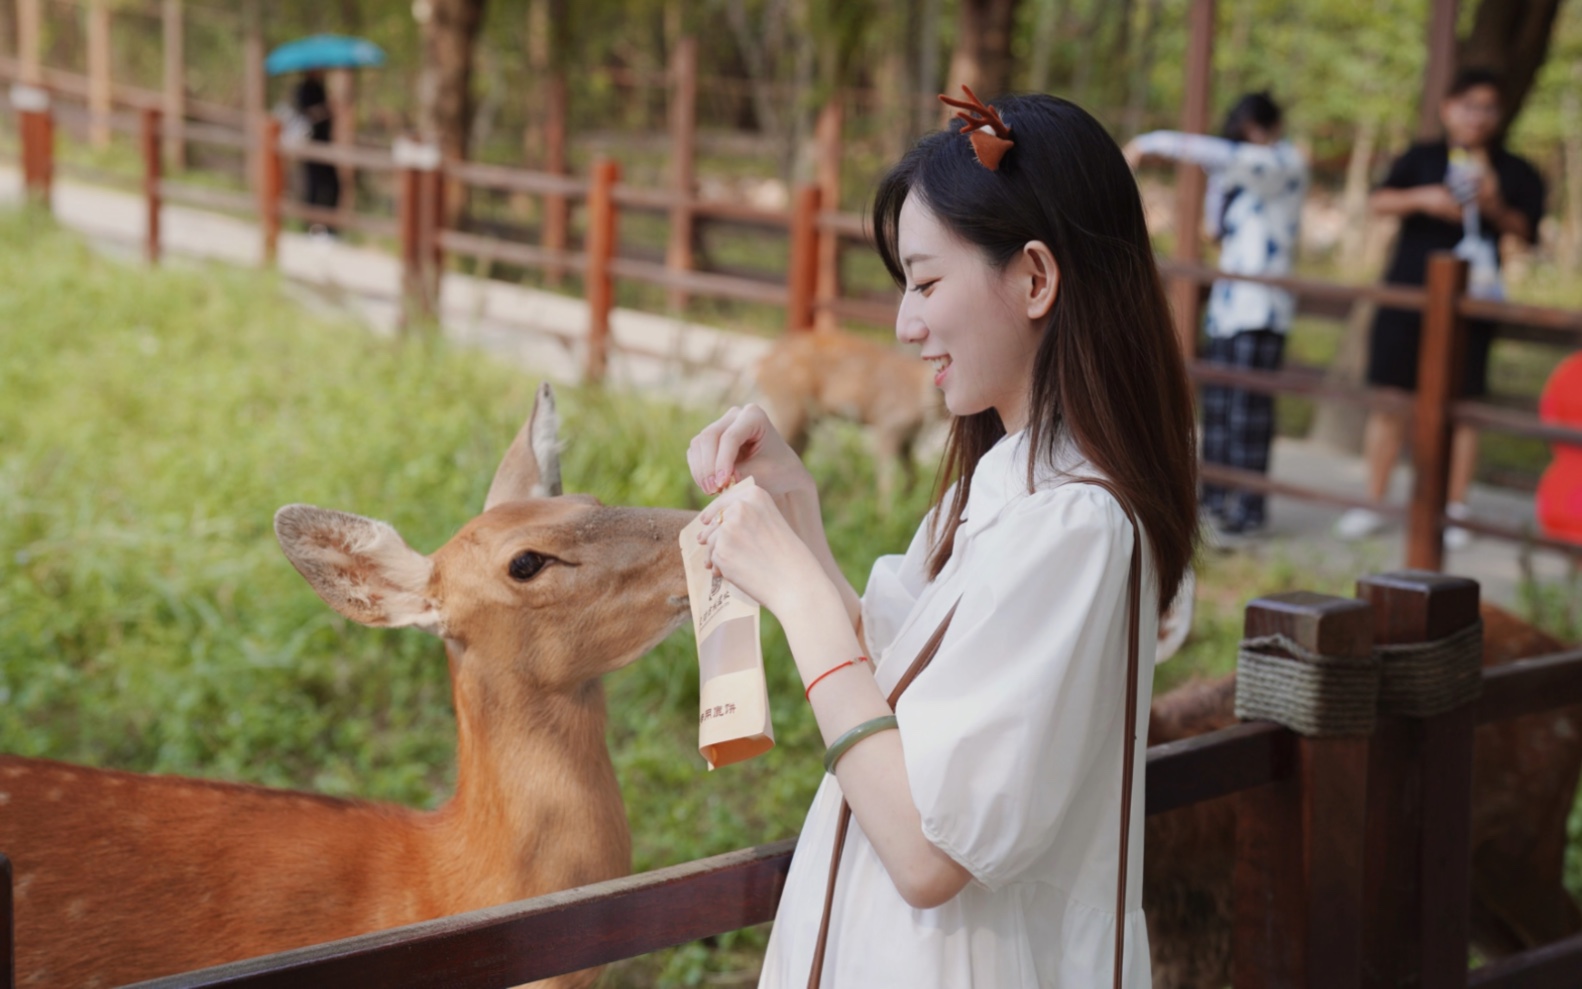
(1043,278)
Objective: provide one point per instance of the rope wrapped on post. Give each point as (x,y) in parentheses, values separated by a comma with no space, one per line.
(1422,679)
(1312,694)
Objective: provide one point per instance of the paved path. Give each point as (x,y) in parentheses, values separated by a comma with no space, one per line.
(543,332)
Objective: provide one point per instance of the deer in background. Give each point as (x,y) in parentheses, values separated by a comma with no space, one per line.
(807,377)
(1524,781)
(122,877)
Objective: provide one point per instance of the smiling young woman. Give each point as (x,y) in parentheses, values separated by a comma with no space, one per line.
(987,758)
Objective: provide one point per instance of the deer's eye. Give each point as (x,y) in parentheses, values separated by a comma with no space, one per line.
(524,566)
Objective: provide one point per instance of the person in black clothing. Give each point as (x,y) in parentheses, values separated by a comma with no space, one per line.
(1459,194)
(321,180)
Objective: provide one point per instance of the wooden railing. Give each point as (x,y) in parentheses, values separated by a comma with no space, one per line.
(1352,862)
(811,287)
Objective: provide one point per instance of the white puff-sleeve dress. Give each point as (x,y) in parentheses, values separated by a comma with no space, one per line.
(1013,741)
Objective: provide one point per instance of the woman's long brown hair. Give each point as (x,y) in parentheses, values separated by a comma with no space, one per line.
(1109,371)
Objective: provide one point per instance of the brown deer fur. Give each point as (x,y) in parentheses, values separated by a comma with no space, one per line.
(808,377)
(122,877)
(1524,782)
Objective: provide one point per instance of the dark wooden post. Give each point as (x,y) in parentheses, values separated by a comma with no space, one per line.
(7,928)
(36,125)
(827,138)
(151,177)
(1185,293)
(802,280)
(417,194)
(600,287)
(1298,880)
(683,147)
(1440,359)
(1419,853)
(271,184)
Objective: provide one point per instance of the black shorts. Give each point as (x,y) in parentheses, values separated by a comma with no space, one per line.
(1392,352)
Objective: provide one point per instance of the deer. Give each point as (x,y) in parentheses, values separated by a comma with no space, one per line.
(121,877)
(808,377)
(1524,781)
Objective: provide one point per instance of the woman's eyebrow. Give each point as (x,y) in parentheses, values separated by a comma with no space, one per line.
(912,259)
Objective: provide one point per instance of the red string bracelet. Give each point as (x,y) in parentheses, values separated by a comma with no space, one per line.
(808,694)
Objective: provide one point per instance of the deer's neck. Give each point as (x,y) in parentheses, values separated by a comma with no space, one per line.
(537,807)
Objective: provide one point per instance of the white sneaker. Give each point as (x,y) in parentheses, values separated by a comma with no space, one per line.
(1455,536)
(1358,523)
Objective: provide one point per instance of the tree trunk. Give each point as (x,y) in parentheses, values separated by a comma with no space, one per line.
(1571,128)
(174,84)
(445,91)
(928,109)
(1142,64)
(1044,28)
(983,47)
(99,84)
(1354,197)
(1336,425)
(760,40)
(9,43)
(29,42)
(1510,38)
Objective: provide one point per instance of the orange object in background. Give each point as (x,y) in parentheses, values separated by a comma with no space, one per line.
(1559,499)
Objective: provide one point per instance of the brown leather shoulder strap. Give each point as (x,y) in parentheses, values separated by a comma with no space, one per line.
(924,657)
(1134,585)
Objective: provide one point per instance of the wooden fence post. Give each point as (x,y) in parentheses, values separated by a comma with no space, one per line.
(151,177)
(1419,852)
(683,147)
(36,126)
(7,928)
(271,183)
(1440,360)
(417,182)
(1298,879)
(802,280)
(827,134)
(600,247)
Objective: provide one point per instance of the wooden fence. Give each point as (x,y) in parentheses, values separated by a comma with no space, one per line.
(810,291)
(1352,862)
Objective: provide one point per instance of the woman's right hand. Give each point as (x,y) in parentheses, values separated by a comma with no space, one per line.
(744,443)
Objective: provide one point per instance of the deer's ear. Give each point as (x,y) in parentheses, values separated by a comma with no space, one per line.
(531,468)
(360,567)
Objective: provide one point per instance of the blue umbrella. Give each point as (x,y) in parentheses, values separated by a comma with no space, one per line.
(323,51)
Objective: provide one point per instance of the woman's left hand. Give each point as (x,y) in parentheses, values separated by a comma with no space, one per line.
(751,545)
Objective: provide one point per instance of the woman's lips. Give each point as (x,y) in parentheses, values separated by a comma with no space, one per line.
(941,365)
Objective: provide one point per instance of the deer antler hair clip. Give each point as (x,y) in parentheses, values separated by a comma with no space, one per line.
(990,136)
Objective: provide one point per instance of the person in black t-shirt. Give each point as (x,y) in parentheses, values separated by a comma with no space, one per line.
(1433,188)
(322,182)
